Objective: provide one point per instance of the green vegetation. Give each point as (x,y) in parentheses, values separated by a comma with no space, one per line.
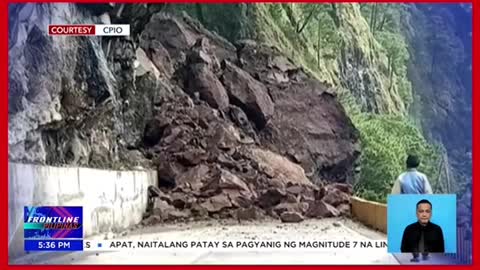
(386,141)
(322,38)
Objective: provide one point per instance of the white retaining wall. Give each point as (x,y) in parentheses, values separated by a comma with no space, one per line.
(111,200)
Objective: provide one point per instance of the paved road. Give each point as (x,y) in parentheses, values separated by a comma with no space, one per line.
(325,229)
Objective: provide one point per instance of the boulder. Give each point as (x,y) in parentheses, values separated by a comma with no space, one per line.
(291,207)
(168,172)
(160,58)
(271,197)
(217,203)
(154,131)
(227,180)
(202,53)
(320,209)
(144,65)
(202,80)
(226,137)
(193,179)
(192,157)
(248,94)
(279,168)
(291,198)
(291,217)
(239,117)
(169,31)
(181,200)
(295,189)
(239,198)
(335,197)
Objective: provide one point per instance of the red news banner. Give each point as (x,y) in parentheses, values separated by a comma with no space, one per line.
(89,30)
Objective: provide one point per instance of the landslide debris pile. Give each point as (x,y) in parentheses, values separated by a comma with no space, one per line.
(233,130)
(228,196)
(218,148)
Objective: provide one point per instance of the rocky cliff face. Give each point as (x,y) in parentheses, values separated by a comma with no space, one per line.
(174,97)
(440,70)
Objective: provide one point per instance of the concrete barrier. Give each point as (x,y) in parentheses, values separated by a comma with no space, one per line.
(111,200)
(370,213)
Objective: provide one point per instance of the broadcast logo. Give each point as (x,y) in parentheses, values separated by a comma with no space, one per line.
(53,228)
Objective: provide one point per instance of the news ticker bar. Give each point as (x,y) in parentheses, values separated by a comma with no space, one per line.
(89,30)
(253,245)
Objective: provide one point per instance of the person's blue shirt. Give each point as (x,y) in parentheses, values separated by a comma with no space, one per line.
(412,182)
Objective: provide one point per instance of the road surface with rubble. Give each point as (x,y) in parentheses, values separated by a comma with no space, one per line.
(320,229)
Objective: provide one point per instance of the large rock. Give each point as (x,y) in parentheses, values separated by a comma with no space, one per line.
(227,180)
(193,179)
(168,172)
(154,131)
(239,198)
(202,80)
(239,117)
(248,94)
(143,64)
(320,209)
(191,157)
(179,33)
(225,137)
(335,197)
(291,217)
(159,56)
(295,189)
(280,168)
(202,53)
(271,197)
(217,203)
(181,200)
(171,33)
(291,207)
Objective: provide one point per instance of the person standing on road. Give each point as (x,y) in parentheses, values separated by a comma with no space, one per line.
(413,182)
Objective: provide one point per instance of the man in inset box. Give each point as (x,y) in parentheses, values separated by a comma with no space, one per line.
(423,236)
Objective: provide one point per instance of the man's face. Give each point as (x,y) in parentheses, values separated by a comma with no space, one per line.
(424,213)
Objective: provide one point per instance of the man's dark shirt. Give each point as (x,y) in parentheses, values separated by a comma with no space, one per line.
(432,236)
